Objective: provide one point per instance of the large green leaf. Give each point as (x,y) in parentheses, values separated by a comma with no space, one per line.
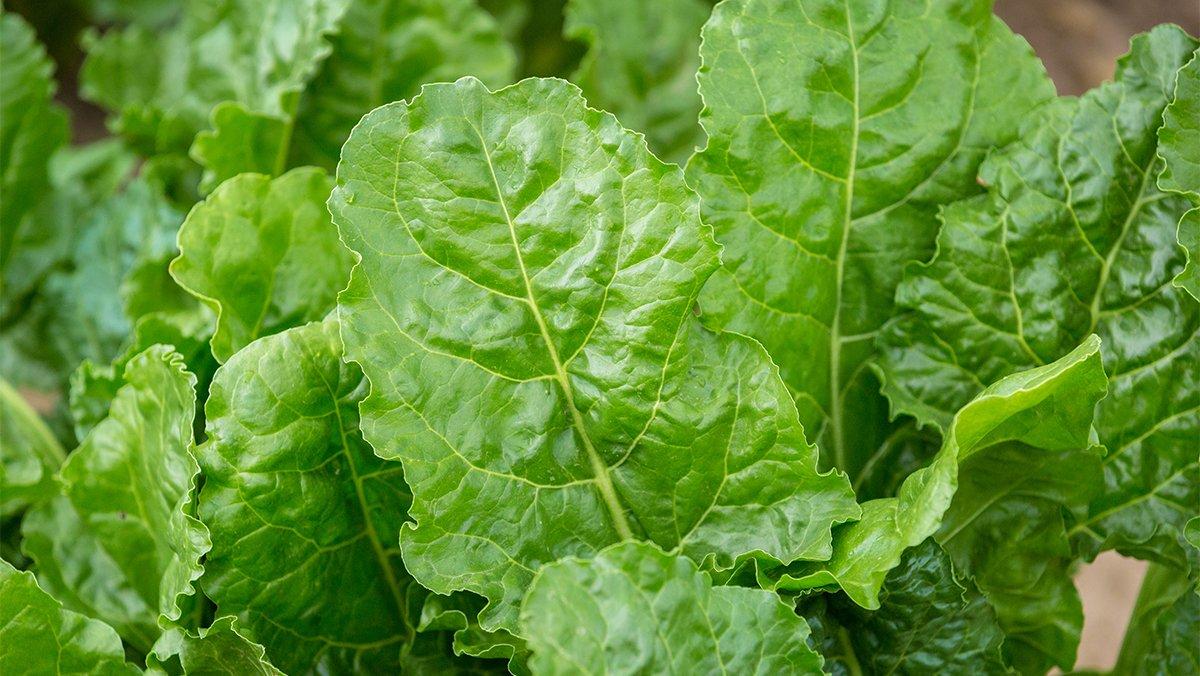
(522,308)
(122,545)
(1177,143)
(835,131)
(384,52)
(635,609)
(263,255)
(641,66)
(931,620)
(29,454)
(40,637)
(1073,238)
(286,471)
(31,129)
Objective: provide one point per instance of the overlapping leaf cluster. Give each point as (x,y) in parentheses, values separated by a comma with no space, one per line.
(898,336)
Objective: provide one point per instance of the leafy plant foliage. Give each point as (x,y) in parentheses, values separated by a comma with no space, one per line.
(351,352)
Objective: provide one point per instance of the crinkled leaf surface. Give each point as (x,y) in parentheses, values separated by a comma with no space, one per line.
(641,66)
(1075,237)
(123,544)
(384,51)
(41,637)
(213,651)
(836,129)
(522,308)
(262,253)
(29,454)
(635,609)
(1177,143)
(288,472)
(931,620)
(94,386)
(1033,415)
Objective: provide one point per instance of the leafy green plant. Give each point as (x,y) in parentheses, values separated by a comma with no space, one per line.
(350,352)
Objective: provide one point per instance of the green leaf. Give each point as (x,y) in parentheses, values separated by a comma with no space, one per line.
(1177,141)
(1161,638)
(835,132)
(213,651)
(263,255)
(931,620)
(123,546)
(31,129)
(1003,436)
(522,308)
(287,472)
(40,637)
(93,386)
(634,609)
(385,51)
(641,66)
(1074,238)
(163,85)
(29,454)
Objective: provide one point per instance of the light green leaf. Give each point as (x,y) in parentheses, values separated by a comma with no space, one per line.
(384,52)
(522,308)
(93,386)
(931,620)
(40,637)
(1177,142)
(29,454)
(641,66)
(835,132)
(123,546)
(263,255)
(216,650)
(1074,238)
(635,609)
(1036,416)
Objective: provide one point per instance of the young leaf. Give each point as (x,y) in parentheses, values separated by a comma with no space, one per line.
(1177,143)
(263,255)
(40,637)
(384,52)
(124,538)
(835,131)
(522,308)
(641,66)
(29,454)
(1027,419)
(931,620)
(635,609)
(1161,638)
(1074,237)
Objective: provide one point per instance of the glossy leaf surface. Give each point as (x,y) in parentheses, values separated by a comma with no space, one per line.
(634,609)
(523,310)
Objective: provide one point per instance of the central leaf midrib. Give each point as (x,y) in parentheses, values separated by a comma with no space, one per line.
(599,469)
